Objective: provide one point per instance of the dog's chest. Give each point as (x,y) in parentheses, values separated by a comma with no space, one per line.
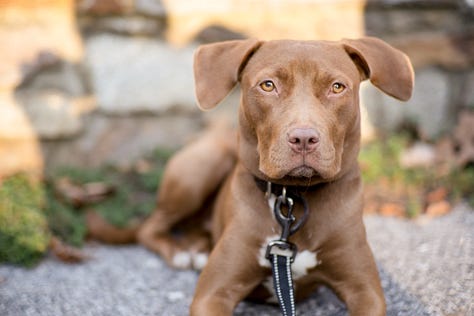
(304,262)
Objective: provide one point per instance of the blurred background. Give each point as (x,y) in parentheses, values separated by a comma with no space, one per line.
(95,95)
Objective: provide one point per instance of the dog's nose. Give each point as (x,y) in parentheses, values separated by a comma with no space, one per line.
(303,140)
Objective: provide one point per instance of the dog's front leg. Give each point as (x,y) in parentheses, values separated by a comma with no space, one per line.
(351,272)
(231,273)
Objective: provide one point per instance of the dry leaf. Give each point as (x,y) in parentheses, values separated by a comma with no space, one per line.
(66,253)
(79,195)
(438,208)
(436,195)
(392,209)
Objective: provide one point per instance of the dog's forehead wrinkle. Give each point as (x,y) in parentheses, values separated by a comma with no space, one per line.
(275,71)
(287,58)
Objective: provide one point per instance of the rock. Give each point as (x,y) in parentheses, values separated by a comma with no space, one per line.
(52,114)
(468,91)
(438,37)
(266,19)
(416,16)
(457,150)
(431,96)
(103,7)
(217,33)
(37,37)
(153,8)
(463,137)
(121,140)
(19,145)
(418,155)
(34,35)
(125,25)
(139,74)
(61,76)
(44,60)
(441,49)
(53,100)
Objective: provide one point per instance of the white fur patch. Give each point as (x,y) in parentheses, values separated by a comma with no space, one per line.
(304,261)
(182,260)
(199,260)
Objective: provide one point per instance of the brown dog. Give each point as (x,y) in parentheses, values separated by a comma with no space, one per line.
(299,127)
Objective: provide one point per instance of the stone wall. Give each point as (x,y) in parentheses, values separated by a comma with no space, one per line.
(89,82)
(438,36)
(40,87)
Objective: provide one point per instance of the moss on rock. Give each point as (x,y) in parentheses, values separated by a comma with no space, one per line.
(24,233)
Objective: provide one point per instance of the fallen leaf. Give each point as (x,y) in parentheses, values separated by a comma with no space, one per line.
(66,253)
(392,209)
(436,195)
(79,195)
(438,208)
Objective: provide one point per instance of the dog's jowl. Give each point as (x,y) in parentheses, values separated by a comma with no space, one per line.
(298,132)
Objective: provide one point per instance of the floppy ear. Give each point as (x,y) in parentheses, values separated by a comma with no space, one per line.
(217,68)
(387,68)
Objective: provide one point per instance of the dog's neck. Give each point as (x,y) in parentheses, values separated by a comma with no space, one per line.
(277,189)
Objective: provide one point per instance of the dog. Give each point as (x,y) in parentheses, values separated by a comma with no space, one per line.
(298,130)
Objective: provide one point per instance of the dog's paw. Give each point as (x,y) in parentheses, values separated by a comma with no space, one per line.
(199,260)
(182,260)
(189,260)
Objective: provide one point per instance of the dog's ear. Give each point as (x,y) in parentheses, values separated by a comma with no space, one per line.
(217,68)
(387,68)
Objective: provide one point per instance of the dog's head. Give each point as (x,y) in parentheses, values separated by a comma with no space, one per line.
(299,114)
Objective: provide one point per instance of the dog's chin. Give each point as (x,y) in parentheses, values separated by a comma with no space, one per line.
(302,172)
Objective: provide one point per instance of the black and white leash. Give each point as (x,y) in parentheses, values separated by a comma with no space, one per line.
(281,252)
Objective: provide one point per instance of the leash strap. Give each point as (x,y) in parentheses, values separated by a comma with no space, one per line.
(283,282)
(282,253)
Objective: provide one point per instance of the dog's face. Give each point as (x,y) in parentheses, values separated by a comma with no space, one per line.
(299,114)
(299,101)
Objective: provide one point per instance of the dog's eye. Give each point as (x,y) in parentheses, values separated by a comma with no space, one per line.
(338,87)
(267,86)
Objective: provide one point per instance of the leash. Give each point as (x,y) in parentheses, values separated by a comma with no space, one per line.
(281,252)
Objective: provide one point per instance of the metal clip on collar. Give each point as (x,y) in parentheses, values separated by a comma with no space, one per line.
(282,246)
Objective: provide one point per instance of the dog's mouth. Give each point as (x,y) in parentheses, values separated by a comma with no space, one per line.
(303,171)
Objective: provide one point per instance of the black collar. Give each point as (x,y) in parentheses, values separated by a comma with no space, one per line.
(277,189)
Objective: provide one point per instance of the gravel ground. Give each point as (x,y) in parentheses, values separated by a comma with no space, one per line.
(427,268)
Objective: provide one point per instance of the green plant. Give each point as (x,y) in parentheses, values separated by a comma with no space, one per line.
(64,221)
(24,233)
(382,173)
(461,182)
(133,195)
(379,159)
